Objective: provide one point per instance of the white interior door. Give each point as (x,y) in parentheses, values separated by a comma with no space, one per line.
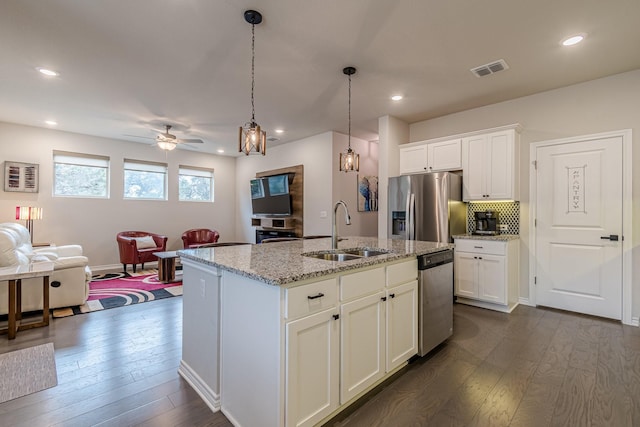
(578,217)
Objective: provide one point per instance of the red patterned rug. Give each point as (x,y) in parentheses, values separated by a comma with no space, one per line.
(120,289)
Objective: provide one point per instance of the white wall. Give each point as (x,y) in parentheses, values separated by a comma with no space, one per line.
(315,154)
(94,223)
(601,105)
(345,185)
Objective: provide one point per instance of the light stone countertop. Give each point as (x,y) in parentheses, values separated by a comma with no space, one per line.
(282,263)
(498,237)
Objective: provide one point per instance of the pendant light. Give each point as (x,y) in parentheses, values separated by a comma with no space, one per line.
(349,160)
(250,136)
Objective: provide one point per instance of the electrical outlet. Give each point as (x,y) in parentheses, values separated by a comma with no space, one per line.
(504,227)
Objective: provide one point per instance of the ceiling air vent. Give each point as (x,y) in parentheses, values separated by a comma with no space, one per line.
(272,139)
(487,69)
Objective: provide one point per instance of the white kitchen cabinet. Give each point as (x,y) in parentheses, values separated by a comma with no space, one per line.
(402,324)
(379,330)
(362,344)
(490,166)
(312,368)
(431,157)
(413,159)
(486,273)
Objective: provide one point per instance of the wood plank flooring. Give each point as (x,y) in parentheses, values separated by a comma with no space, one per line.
(535,367)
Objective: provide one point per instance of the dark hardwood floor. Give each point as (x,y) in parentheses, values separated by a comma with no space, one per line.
(535,367)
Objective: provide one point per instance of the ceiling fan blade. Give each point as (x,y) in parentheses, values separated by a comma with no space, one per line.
(191,141)
(138,136)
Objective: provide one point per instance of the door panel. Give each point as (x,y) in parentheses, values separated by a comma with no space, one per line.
(579,201)
(492,285)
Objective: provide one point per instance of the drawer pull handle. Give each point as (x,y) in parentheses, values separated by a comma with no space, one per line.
(383,298)
(336,316)
(320,295)
(478,247)
(392,295)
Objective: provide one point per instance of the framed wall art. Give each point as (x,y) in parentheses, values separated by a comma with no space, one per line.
(367,193)
(21,177)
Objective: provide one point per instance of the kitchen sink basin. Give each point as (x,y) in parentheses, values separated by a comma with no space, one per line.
(364,252)
(346,254)
(332,256)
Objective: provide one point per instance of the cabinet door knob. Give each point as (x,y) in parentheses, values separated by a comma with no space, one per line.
(383,298)
(392,295)
(320,295)
(336,316)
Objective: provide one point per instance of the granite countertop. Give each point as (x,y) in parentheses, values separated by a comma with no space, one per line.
(282,263)
(498,237)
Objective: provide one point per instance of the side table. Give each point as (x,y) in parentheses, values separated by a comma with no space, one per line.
(13,276)
(167,266)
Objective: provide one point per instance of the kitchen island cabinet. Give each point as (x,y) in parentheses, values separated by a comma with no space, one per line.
(282,350)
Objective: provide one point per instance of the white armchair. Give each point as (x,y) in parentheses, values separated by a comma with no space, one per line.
(69,283)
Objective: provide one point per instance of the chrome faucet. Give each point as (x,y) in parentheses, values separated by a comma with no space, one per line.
(334,227)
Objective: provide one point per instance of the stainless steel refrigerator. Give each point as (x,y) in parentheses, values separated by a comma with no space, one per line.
(426,207)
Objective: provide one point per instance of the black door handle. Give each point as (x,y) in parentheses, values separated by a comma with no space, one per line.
(613,237)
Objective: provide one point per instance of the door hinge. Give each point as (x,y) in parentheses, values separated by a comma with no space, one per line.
(535,222)
(535,280)
(535,164)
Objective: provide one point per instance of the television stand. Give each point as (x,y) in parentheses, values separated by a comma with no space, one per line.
(269,234)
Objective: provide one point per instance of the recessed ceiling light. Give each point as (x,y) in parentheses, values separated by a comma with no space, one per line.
(220,151)
(51,122)
(48,72)
(279,130)
(570,41)
(396,97)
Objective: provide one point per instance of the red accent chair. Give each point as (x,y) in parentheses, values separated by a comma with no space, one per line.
(197,237)
(136,247)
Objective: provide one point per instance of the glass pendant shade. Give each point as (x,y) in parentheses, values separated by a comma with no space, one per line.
(167,145)
(252,138)
(349,161)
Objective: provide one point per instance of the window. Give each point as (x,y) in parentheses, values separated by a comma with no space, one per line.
(195,184)
(145,180)
(80,175)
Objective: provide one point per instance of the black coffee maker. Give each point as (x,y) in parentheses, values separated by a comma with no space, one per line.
(486,223)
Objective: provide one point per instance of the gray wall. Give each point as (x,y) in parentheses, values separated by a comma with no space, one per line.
(597,106)
(94,223)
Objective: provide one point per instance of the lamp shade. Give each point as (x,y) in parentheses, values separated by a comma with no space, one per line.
(28,213)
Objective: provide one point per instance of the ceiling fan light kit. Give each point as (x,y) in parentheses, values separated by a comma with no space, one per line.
(250,137)
(349,160)
(168,142)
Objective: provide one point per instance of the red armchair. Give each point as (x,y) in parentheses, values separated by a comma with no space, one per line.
(137,247)
(199,236)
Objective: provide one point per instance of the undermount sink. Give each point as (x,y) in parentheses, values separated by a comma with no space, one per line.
(365,253)
(346,254)
(333,256)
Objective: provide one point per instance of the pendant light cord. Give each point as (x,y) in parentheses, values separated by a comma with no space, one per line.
(253,62)
(349,111)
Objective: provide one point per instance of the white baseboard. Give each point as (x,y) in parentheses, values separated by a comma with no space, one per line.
(204,391)
(525,301)
(635,321)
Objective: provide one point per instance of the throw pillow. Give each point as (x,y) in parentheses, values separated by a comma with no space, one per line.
(145,242)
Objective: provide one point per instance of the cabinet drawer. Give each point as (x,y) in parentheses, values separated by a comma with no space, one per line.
(398,274)
(481,246)
(308,299)
(361,283)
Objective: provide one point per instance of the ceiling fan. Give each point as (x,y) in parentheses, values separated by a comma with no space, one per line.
(168,141)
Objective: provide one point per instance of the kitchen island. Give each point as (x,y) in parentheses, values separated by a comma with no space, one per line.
(275,337)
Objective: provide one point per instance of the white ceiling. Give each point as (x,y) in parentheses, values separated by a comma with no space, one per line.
(129,66)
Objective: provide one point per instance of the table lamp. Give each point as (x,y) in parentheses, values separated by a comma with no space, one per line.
(28,213)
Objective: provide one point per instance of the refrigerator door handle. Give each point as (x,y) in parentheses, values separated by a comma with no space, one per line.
(412,215)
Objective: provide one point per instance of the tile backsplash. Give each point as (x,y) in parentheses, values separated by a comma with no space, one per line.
(508,213)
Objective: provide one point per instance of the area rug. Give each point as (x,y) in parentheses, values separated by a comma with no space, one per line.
(27,371)
(120,289)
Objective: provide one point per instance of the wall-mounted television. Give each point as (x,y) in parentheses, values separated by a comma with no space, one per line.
(270,195)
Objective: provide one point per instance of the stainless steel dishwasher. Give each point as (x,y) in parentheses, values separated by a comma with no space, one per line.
(435,299)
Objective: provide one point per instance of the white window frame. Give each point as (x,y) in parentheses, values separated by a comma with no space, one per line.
(84,160)
(144,166)
(198,172)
